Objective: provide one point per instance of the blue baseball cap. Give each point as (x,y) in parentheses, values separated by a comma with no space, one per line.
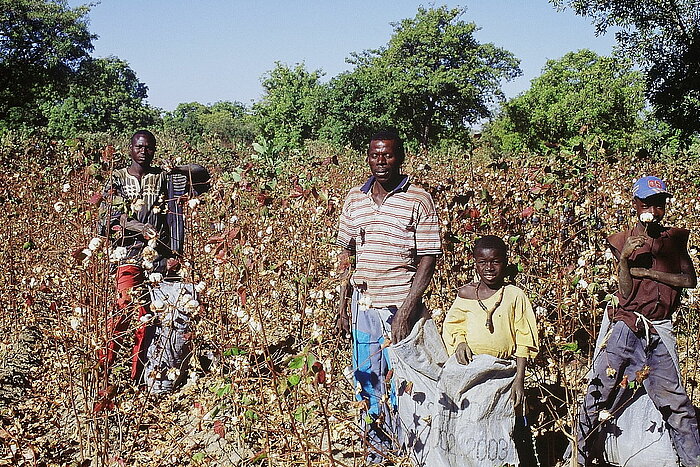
(649,186)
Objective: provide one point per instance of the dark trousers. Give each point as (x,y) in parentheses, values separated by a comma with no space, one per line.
(628,353)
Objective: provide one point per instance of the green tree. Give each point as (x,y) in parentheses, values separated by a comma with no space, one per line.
(42,43)
(579,95)
(293,105)
(104,95)
(663,36)
(358,105)
(227,121)
(432,80)
(185,120)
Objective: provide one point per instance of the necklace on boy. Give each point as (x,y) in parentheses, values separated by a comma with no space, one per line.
(489,313)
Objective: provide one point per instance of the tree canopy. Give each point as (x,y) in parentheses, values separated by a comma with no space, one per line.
(432,80)
(580,94)
(229,121)
(289,112)
(104,94)
(42,43)
(48,78)
(663,36)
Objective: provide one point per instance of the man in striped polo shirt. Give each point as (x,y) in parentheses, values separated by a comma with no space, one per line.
(391,229)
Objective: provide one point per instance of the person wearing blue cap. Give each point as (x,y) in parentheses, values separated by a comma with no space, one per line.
(639,347)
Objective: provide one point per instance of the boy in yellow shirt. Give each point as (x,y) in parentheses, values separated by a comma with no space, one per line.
(491,317)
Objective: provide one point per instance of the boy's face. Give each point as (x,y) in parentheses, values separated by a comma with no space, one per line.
(491,265)
(655,205)
(142,149)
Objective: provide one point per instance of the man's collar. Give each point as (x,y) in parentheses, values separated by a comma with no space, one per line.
(402,186)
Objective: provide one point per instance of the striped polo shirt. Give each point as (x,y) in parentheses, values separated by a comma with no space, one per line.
(387,239)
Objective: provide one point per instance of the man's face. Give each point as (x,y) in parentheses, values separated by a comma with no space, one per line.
(655,205)
(490,264)
(384,162)
(142,150)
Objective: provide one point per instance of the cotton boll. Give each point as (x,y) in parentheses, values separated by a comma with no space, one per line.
(95,244)
(118,254)
(155,277)
(192,305)
(646,217)
(146,318)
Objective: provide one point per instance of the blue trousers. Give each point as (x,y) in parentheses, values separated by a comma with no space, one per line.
(370,362)
(627,353)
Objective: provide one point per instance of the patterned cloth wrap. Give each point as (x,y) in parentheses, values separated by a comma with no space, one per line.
(371,327)
(169,349)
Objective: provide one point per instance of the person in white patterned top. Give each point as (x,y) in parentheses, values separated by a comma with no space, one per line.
(135,211)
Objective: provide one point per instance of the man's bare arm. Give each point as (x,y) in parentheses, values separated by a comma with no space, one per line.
(624,274)
(686,278)
(406,316)
(345,269)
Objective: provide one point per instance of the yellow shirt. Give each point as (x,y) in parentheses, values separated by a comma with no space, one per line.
(515,329)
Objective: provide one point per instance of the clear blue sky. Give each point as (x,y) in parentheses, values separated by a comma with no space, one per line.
(212,50)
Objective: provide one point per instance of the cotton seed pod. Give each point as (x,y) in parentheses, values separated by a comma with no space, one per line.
(146,318)
(95,244)
(646,217)
(155,277)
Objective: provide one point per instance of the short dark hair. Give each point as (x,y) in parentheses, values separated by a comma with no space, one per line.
(145,133)
(491,242)
(390,135)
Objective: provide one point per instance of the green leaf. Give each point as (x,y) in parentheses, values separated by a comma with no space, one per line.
(301,414)
(310,360)
(259,456)
(296,362)
(198,457)
(250,415)
(234,351)
(293,380)
(235,176)
(572,347)
(225,389)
